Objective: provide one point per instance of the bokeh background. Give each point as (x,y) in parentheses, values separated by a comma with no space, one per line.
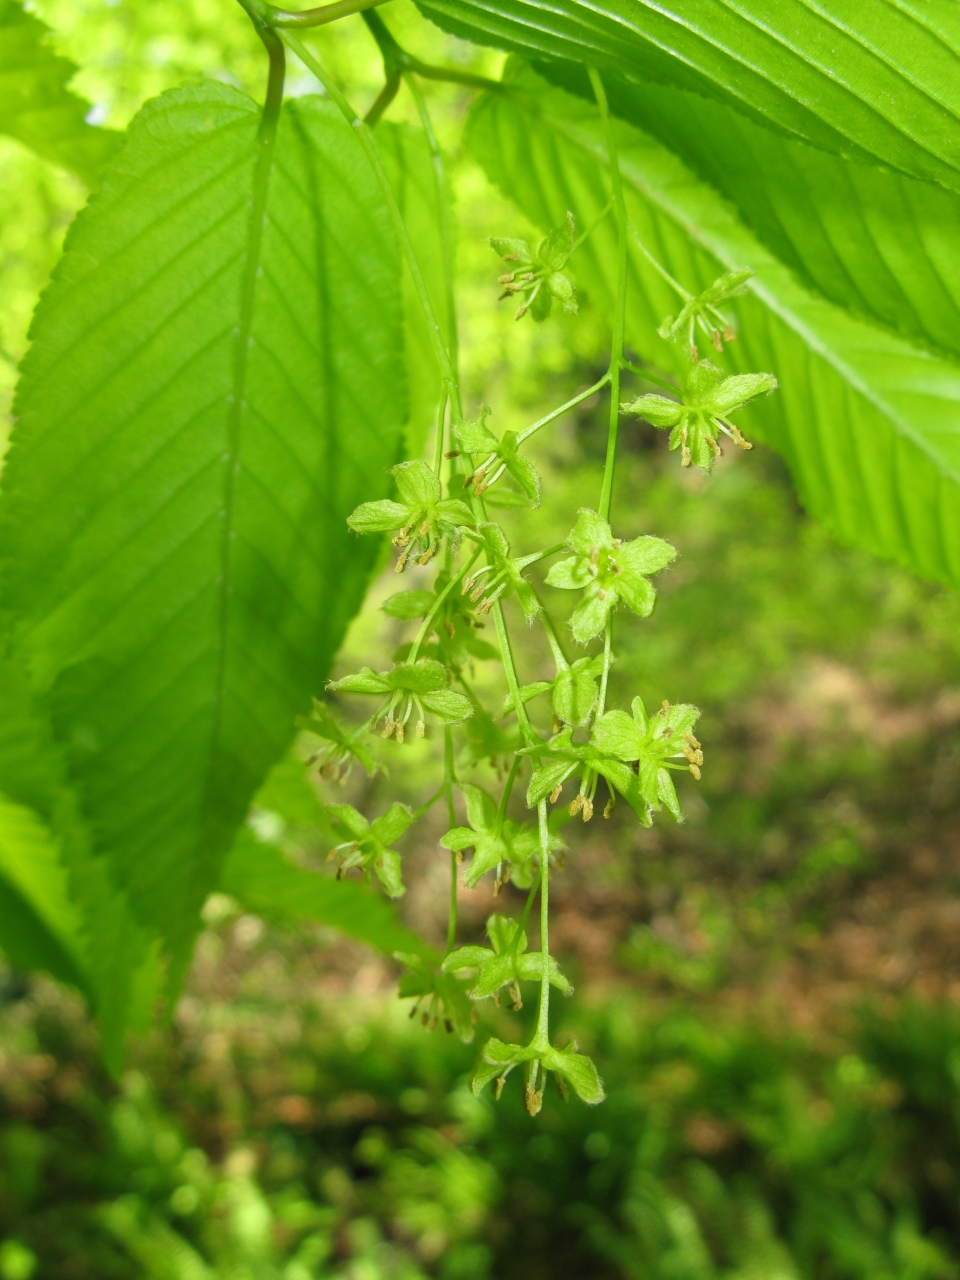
(771,991)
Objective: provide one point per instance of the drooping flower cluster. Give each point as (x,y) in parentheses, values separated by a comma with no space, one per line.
(632,754)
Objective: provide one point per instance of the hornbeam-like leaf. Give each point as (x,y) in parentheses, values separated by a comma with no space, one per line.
(215,381)
(39,924)
(881,244)
(37,108)
(92,939)
(409,166)
(875,79)
(869,425)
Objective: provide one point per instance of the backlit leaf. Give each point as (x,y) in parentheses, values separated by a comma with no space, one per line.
(201,409)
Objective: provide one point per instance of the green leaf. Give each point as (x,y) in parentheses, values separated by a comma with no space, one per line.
(870,79)
(39,924)
(406,605)
(410,169)
(37,108)
(363,681)
(117,966)
(449,707)
(425,676)
(378,517)
(260,876)
(881,244)
(865,421)
(579,1071)
(185,601)
(416,484)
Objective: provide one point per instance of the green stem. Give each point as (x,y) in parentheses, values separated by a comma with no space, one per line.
(448,783)
(570,404)
(658,266)
(285,18)
(428,804)
(541,1039)
(508,665)
(505,797)
(438,440)
(650,377)
(585,235)
(397,61)
(559,657)
(525,916)
(383,100)
(435,608)
(607,661)
(619,317)
(542,555)
(373,155)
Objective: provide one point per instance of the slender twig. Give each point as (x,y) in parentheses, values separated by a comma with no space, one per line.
(511,672)
(449,780)
(428,804)
(658,266)
(505,795)
(541,1037)
(435,607)
(383,99)
(585,235)
(287,18)
(570,404)
(650,377)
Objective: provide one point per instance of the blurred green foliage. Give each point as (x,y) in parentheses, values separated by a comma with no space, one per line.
(355,1149)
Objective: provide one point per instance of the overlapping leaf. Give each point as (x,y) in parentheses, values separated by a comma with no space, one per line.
(869,425)
(878,79)
(200,411)
(37,108)
(79,925)
(876,242)
(424,205)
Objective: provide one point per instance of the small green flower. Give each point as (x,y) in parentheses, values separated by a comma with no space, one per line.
(573,691)
(367,843)
(454,625)
(538,277)
(421,517)
(635,757)
(652,743)
(607,570)
(702,312)
(498,1059)
(407,687)
(708,400)
(505,575)
(335,758)
(491,458)
(507,965)
(494,843)
(445,996)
